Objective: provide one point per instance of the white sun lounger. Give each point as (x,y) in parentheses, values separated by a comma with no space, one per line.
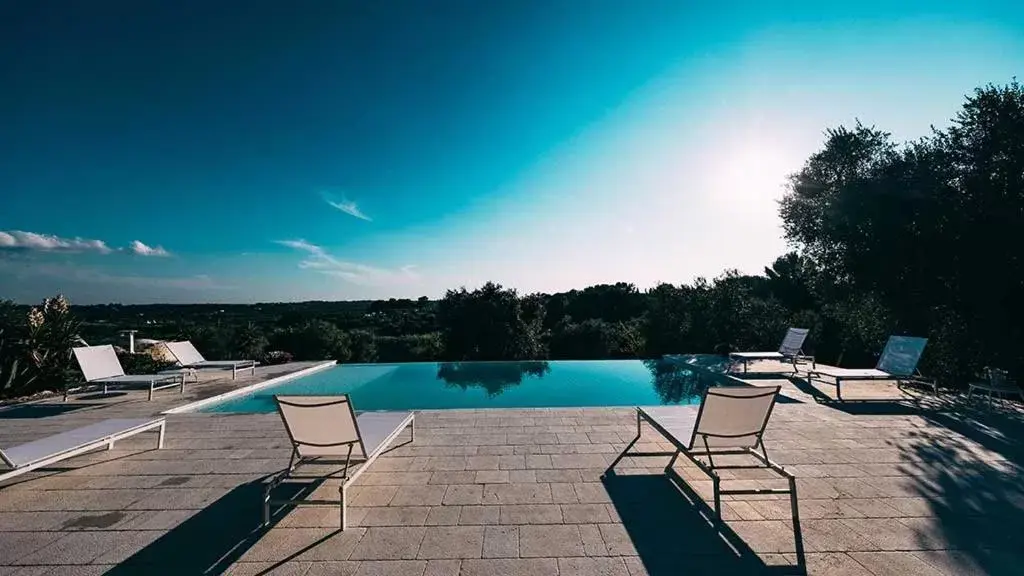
(898,362)
(100,365)
(46,451)
(326,430)
(187,355)
(731,420)
(791,349)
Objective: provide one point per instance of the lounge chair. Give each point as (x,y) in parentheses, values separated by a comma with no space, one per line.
(791,349)
(898,362)
(46,451)
(995,381)
(326,430)
(100,365)
(730,421)
(187,355)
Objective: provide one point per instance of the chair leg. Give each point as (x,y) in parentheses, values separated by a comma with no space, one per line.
(150,391)
(672,462)
(266,505)
(344,515)
(717,484)
(839,389)
(160,438)
(797,533)
(620,456)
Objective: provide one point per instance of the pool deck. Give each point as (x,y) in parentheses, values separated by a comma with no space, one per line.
(904,484)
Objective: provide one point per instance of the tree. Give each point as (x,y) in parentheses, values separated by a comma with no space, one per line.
(363,346)
(923,235)
(491,323)
(249,342)
(790,280)
(314,340)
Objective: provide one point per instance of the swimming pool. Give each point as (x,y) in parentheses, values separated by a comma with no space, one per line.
(530,384)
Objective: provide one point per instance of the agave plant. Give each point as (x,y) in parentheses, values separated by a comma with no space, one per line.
(52,333)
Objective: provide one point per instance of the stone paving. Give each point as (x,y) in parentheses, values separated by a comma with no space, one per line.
(904,485)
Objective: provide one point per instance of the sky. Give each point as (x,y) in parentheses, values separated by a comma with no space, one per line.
(196,151)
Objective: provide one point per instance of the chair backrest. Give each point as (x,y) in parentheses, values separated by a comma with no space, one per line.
(185,352)
(733,416)
(901,355)
(793,342)
(995,376)
(321,425)
(98,362)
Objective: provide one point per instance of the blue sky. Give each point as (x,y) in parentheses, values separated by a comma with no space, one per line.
(228,151)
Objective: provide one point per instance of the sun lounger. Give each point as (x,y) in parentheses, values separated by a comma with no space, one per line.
(790,350)
(46,451)
(730,422)
(326,430)
(995,381)
(898,362)
(187,355)
(100,365)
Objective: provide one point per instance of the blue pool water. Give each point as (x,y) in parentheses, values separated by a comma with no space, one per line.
(533,384)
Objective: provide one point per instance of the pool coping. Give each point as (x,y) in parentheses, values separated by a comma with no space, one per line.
(193,406)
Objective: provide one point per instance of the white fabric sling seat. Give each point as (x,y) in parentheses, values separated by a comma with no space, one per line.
(730,421)
(188,357)
(791,350)
(326,430)
(100,365)
(898,362)
(46,451)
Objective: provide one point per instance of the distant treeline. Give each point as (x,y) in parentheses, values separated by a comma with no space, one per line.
(923,238)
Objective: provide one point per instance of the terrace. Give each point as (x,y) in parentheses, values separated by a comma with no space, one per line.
(910,484)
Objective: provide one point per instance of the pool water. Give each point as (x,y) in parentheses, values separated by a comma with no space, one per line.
(530,384)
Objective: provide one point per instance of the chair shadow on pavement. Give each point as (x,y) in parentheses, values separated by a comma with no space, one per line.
(210,541)
(670,527)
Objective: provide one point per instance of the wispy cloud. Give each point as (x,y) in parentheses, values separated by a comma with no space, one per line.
(301,245)
(347,206)
(319,260)
(21,240)
(76,273)
(141,249)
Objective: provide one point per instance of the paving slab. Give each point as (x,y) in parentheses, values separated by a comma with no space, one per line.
(890,482)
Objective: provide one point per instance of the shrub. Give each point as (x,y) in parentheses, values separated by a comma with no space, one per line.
(277,357)
(413,348)
(314,340)
(143,363)
(363,346)
(249,342)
